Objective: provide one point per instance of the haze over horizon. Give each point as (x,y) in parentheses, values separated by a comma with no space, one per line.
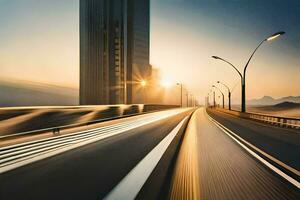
(40,43)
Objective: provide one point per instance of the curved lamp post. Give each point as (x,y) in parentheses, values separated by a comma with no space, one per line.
(243,76)
(187,99)
(180,84)
(207,100)
(229,94)
(222,95)
(192,100)
(214,97)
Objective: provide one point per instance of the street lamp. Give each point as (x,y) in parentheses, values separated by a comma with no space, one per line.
(207,100)
(187,99)
(193,100)
(243,77)
(222,95)
(229,94)
(180,93)
(214,98)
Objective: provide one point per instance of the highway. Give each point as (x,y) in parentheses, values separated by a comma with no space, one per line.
(281,143)
(172,154)
(91,164)
(213,164)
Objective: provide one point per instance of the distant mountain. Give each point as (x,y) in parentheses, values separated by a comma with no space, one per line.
(24,93)
(287,105)
(267,100)
(290,99)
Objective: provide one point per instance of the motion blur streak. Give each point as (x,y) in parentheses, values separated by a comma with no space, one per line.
(185,183)
(15,156)
(140,173)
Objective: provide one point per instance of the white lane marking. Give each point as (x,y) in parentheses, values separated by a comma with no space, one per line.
(69,137)
(145,117)
(41,145)
(53,152)
(272,167)
(44,146)
(131,184)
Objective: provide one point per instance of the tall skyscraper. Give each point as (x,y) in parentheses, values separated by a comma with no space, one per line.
(138,49)
(114,50)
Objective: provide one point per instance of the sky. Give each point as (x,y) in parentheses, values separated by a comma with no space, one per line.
(39,41)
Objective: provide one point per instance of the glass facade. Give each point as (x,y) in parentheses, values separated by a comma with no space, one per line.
(114,50)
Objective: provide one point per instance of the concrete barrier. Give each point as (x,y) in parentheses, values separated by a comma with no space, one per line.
(20,121)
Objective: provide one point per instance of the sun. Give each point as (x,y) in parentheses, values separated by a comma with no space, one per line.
(166,82)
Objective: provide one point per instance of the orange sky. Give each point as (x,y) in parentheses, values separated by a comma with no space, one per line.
(40,42)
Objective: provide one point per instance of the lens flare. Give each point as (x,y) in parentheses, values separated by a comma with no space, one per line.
(143,83)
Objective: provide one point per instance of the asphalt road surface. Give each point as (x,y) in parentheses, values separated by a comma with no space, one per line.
(214,165)
(282,143)
(97,163)
(154,156)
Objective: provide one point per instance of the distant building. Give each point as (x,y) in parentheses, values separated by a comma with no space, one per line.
(114,50)
(155,91)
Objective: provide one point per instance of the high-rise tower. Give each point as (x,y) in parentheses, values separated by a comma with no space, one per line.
(114,50)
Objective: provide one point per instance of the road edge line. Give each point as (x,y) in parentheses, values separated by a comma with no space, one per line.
(255,155)
(129,187)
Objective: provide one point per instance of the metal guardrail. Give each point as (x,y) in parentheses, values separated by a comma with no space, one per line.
(112,112)
(287,122)
(276,120)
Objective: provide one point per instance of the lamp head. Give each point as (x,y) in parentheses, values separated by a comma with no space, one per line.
(215,57)
(275,35)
